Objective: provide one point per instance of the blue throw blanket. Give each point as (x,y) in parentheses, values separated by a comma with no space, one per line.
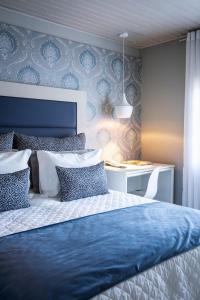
(81,258)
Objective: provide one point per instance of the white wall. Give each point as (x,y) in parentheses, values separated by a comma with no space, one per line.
(163,107)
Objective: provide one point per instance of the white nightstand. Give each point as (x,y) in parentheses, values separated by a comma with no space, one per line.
(135,180)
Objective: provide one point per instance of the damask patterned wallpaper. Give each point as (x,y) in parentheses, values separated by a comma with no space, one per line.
(36,58)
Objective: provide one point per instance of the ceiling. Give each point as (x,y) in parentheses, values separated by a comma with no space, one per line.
(148,22)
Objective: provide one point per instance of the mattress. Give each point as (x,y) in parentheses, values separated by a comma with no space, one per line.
(172,279)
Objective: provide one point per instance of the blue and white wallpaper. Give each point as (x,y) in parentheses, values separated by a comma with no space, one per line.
(36,58)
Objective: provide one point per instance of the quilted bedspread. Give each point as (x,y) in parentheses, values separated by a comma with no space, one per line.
(172,279)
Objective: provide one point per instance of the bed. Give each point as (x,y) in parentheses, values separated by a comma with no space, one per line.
(85,248)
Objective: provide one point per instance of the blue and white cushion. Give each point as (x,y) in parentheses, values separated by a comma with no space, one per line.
(48,160)
(6,141)
(76,183)
(14,188)
(70,143)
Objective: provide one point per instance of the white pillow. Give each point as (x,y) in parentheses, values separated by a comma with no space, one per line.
(11,162)
(48,178)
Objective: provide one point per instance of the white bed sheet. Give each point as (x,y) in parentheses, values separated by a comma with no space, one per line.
(174,279)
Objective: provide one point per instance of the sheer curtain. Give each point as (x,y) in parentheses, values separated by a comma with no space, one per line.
(191,169)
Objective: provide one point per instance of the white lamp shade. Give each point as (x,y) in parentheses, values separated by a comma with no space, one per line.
(124,110)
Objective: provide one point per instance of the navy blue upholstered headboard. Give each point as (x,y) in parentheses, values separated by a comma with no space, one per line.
(38,117)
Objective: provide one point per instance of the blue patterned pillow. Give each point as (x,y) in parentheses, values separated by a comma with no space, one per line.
(35,168)
(14,188)
(76,183)
(70,143)
(6,141)
(22,142)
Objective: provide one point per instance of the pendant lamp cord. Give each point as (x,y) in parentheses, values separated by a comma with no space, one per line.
(123,70)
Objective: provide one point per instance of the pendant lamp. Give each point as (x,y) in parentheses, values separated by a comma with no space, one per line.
(123,110)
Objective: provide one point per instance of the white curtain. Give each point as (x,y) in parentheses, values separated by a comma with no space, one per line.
(191,169)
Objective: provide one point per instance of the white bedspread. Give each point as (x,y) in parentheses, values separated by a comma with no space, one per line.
(174,279)
(44,211)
